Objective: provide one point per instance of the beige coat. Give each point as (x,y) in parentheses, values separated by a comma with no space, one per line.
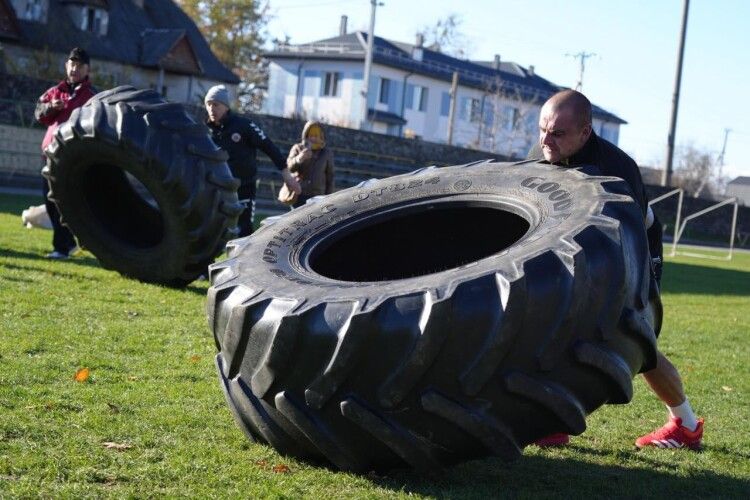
(315,173)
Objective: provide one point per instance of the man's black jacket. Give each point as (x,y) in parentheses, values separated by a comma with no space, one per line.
(241,138)
(613,161)
(609,159)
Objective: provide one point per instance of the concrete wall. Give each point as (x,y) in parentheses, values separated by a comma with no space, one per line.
(409,152)
(20,155)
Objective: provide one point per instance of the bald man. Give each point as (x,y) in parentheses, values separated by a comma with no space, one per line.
(566,139)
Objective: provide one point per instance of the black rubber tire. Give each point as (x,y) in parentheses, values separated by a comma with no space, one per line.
(170,224)
(435,317)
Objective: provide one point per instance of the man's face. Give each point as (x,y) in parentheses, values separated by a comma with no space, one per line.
(216,111)
(76,71)
(560,133)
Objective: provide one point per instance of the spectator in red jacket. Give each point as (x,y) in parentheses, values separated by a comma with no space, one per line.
(53,108)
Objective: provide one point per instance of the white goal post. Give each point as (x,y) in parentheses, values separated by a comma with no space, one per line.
(679,228)
(680,194)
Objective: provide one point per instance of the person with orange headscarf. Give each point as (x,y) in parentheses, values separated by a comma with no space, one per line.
(312,162)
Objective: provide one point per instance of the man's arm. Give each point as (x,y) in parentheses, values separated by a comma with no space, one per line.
(47,108)
(259,139)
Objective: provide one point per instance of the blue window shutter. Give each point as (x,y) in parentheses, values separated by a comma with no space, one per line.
(373,91)
(445,104)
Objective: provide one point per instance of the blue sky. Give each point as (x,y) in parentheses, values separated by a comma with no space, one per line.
(632,75)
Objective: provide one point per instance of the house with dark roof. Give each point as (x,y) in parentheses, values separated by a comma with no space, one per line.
(496,106)
(740,187)
(145,43)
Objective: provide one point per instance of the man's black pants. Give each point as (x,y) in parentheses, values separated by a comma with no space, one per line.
(62,239)
(246,194)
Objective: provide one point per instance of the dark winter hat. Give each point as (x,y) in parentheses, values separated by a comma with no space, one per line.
(80,55)
(218,93)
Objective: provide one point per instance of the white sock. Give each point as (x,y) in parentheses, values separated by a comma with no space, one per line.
(685,413)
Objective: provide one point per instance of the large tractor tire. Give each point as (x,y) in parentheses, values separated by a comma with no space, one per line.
(143,186)
(435,317)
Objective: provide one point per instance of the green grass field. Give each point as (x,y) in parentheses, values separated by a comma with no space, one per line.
(153,393)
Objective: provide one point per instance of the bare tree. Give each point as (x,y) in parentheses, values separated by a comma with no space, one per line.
(445,36)
(697,171)
(508,112)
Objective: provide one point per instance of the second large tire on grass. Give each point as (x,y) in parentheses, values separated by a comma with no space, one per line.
(435,317)
(143,186)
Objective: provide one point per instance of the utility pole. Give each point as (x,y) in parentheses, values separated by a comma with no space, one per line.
(720,161)
(452,111)
(582,56)
(364,124)
(666,179)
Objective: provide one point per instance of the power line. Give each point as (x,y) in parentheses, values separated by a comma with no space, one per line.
(582,56)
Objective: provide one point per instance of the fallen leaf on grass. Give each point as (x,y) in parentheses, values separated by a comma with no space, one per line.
(261,463)
(132,378)
(195,358)
(281,469)
(117,446)
(82,375)
(726,388)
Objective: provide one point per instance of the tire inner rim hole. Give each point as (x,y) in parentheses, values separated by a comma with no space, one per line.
(124,207)
(417,243)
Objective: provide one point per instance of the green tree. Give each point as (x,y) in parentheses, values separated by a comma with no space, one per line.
(236,32)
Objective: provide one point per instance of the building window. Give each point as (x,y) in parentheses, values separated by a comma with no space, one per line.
(471,109)
(31,10)
(94,20)
(420,98)
(511,118)
(331,84)
(385,85)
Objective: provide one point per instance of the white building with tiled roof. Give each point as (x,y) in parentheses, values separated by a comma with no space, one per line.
(496,107)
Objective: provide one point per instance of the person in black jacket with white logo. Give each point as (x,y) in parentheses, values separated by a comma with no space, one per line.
(240,137)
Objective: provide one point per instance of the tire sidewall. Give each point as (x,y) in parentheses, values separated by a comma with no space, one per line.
(557,204)
(81,155)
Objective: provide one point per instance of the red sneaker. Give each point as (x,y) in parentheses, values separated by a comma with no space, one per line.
(673,435)
(559,439)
